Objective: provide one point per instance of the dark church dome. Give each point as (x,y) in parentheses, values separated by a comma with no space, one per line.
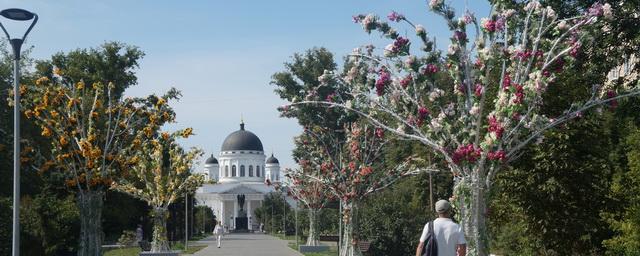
(272,160)
(211,160)
(242,140)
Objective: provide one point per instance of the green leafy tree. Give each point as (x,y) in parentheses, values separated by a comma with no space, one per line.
(50,224)
(300,79)
(626,187)
(203,219)
(272,213)
(561,187)
(112,62)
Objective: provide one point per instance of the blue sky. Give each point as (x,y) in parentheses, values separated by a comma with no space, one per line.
(221,54)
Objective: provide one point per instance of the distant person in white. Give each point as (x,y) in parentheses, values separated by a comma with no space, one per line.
(448,234)
(218,232)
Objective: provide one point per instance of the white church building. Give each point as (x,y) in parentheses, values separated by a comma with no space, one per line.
(240,171)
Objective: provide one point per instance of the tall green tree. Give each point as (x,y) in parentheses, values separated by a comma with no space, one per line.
(112,62)
(272,213)
(561,187)
(299,81)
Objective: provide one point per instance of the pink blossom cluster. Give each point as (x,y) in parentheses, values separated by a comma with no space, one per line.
(497,155)
(469,153)
(423,112)
(394,16)
(379,132)
(468,17)
(430,69)
(326,167)
(434,4)
(365,171)
(519,94)
(495,127)
(526,54)
(596,10)
(352,166)
(284,109)
(459,35)
(383,80)
(506,82)
(478,90)
(331,97)
(575,49)
(399,45)
(491,26)
(369,22)
(406,81)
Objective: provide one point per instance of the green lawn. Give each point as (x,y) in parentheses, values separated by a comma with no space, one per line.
(134,251)
(123,252)
(333,250)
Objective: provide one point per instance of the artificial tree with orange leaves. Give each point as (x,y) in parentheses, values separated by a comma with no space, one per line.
(88,130)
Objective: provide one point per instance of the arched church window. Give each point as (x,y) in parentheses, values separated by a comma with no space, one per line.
(234,173)
(226,171)
(250,170)
(242,173)
(257,171)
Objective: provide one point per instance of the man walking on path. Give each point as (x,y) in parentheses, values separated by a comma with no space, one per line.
(139,234)
(448,234)
(218,232)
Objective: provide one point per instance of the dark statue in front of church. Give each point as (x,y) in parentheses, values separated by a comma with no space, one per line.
(241,202)
(241,220)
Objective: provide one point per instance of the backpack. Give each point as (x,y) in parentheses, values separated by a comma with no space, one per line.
(430,244)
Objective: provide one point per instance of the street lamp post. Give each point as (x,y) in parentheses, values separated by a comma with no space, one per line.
(186,220)
(296,212)
(16,44)
(284,215)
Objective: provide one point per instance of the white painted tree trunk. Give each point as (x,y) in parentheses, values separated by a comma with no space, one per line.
(348,246)
(313,239)
(90,205)
(470,195)
(159,241)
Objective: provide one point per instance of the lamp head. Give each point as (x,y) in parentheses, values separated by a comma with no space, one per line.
(17,14)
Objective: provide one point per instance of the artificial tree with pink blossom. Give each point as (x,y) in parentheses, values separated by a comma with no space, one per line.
(348,163)
(477,104)
(310,192)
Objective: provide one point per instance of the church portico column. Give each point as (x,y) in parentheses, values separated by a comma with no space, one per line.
(235,211)
(222,216)
(249,214)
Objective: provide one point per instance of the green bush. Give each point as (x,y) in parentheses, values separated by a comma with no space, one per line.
(5,226)
(128,238)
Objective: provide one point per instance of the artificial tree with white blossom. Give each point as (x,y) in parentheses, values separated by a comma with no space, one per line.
(161,175)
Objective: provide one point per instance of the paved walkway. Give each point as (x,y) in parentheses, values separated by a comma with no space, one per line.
(246,245)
